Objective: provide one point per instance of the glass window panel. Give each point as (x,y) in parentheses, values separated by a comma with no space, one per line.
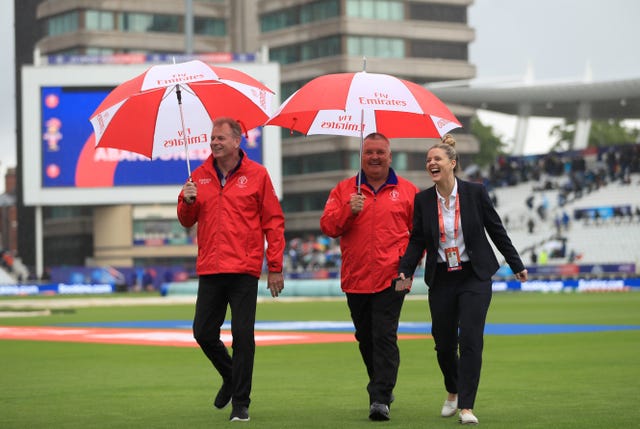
(354,161)
(92,20)
(306,14)
(165,23)
(367,9)
(142,22)
(369,46)
(210,26)
(381,9)
(99,20)
(65,23)
(396,11)
(136,22)
(99,51)
(375,47)
(353,8)
(400,161)
(353,46)
(438,12)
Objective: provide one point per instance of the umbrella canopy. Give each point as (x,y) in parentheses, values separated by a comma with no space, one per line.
(357,104)
(158,111)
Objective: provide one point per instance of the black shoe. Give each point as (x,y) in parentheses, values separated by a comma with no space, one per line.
(379,412)
(223,398)
(239,413)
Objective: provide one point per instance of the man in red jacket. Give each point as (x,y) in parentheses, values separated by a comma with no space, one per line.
(236,208)
(373,227)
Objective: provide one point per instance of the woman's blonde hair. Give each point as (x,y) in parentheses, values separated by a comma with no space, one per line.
(448,145)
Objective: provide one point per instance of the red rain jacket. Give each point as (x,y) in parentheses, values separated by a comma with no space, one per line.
(373,241)
(234,220)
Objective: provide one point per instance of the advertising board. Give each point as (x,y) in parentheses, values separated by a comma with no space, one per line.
(62,166)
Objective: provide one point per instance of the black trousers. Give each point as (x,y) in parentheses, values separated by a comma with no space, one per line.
(240,292)
(459,302)
(375,318)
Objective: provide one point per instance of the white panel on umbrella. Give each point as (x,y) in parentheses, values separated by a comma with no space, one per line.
(163,75)
(341,123)
(168,136)
(385,93)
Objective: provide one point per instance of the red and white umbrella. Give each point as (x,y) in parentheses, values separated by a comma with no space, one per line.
(169,105)
(356,104)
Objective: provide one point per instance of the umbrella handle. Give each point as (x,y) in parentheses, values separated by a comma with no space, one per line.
(361,147)
(184,130)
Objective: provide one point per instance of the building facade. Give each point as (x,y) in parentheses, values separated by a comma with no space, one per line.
(418,40)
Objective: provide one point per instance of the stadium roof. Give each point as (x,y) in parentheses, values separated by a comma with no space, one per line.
(618,99)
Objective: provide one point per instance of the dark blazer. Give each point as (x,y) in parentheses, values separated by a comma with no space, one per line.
(477,214)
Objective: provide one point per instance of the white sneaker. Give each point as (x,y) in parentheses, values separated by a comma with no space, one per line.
(468,419)
(449,408)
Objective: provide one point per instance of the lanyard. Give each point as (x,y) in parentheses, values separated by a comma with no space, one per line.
(456,221)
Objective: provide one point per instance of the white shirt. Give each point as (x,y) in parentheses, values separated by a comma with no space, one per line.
(448,218)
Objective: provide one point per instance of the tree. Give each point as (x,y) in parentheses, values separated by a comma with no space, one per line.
(602,133)
(491,145)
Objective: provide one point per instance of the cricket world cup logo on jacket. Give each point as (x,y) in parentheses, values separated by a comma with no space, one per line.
(242,182)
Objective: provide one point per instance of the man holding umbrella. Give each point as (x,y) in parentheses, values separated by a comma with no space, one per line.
(373,227)
(233,201)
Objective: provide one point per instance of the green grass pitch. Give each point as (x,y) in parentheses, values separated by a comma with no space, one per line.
(577,380)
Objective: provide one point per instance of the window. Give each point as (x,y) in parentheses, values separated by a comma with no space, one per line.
(288,88)
(438,12)
(285,54)
(99,20)
(302,14)
(400,161)
(376,9)
(277,20)
(143,22)
(438,49)
(66,212)
(160,232)
(321,162)
(324,47)
(209,26)
(381,47)
(354,161)
(94,51)
(64,23)
(165,23)
(312,201)
(319,11)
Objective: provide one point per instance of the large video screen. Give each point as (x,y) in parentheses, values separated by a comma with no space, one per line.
(70,158)
(62,164)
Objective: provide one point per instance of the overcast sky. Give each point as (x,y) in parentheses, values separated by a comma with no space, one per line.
(557,39)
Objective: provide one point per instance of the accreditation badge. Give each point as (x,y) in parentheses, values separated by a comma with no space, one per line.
(453,258)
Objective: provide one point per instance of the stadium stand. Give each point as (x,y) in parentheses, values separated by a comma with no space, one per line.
(589,215)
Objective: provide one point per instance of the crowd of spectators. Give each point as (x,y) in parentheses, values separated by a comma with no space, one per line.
(312,253)
(567,176)
(572,171)
(570,175)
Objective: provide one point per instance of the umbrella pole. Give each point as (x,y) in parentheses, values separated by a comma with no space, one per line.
(361,146)
(184,130)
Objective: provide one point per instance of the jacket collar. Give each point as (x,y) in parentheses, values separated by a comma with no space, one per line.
(392,179)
